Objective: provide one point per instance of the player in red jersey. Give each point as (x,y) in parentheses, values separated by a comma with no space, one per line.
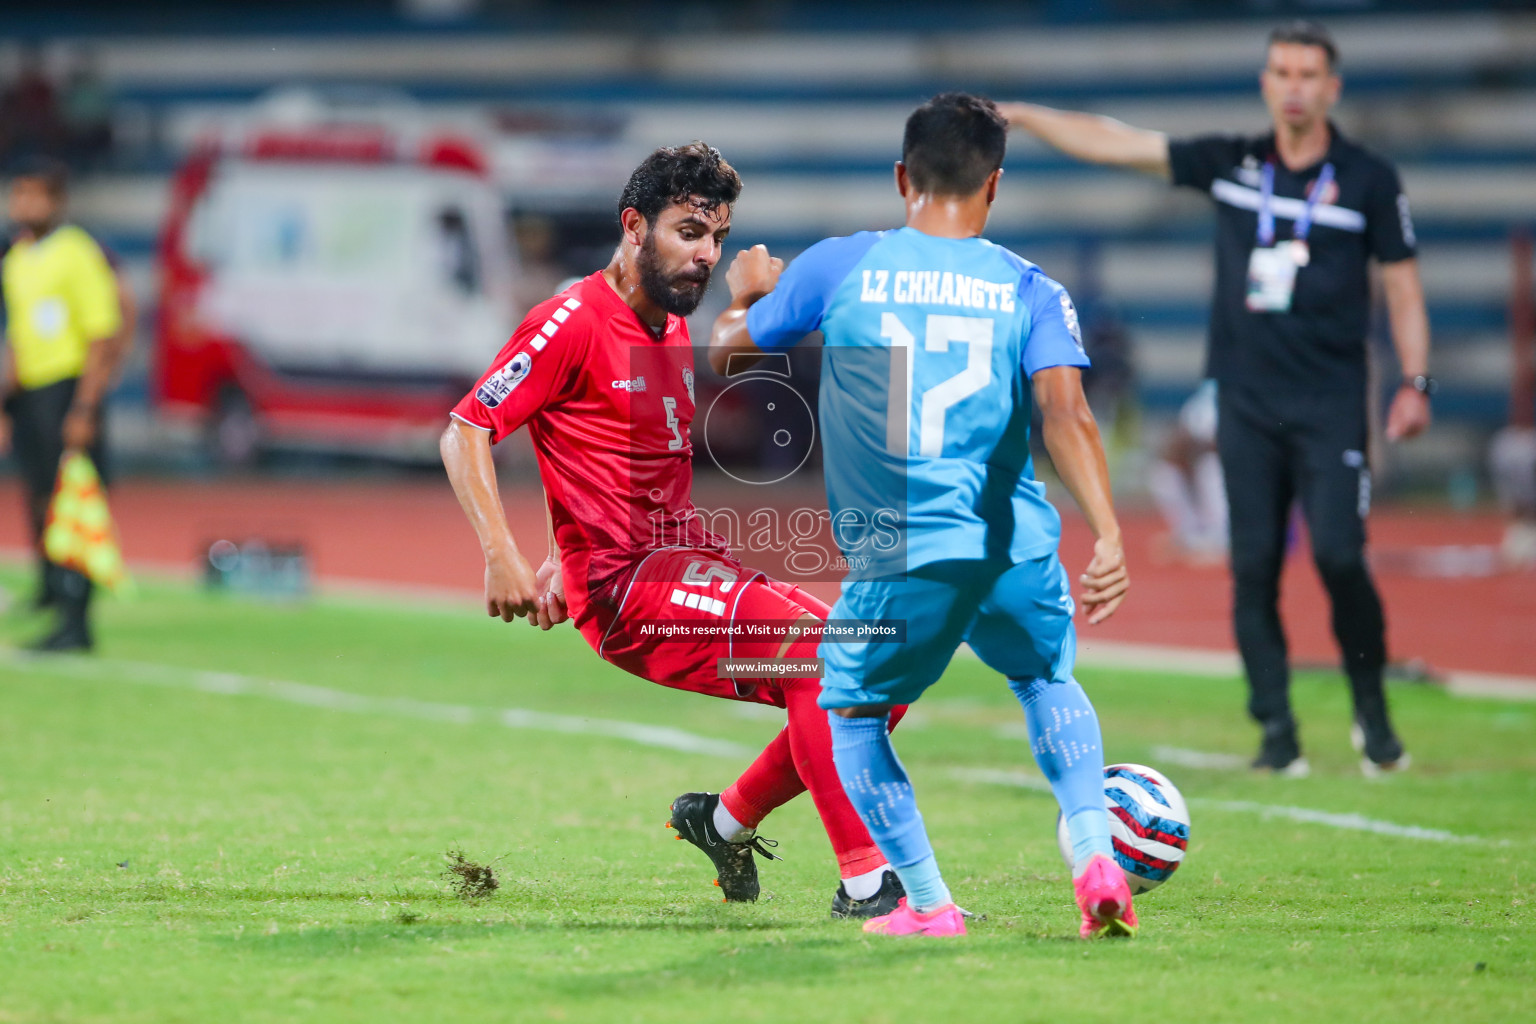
(602,377)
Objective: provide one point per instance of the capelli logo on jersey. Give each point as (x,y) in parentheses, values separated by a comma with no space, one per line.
(632,386)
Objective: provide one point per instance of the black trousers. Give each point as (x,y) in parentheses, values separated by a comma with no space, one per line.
(1278,448)
(37,440)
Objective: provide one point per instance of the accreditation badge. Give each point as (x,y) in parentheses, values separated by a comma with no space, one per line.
(1272,278)
(49,318)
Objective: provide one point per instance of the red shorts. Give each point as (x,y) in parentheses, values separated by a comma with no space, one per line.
(697,597)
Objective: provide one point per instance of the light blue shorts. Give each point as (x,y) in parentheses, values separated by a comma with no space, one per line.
(1018,620)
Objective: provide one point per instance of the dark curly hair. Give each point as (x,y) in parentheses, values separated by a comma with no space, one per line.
(953,142)
(674,173)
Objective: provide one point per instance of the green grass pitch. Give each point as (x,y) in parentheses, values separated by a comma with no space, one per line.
(186,835)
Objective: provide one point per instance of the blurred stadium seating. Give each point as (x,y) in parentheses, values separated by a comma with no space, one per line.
(808,100)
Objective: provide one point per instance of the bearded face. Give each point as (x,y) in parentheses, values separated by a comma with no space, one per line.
(676,286)
(679,252)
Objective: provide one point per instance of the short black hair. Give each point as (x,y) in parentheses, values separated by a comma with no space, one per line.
(1306,33)
(52,173)
(953,142)
(674,173)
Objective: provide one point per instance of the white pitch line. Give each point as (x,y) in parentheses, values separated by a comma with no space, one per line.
(1330,819)
(1191,661)
(1490,684)
(234,684)
(665,737)
(1186,758)
(1352,822)
(1209,664)
(1001,777)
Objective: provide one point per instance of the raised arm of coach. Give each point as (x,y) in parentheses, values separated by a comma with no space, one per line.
(1299,84)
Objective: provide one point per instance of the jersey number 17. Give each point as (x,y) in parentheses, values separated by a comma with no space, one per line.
(940,331)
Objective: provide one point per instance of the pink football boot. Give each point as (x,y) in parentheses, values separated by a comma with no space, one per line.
(947,920)
(1104,899)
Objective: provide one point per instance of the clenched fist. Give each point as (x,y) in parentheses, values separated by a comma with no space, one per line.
(753,274)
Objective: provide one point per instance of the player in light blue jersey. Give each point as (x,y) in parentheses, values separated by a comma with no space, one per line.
(938,344)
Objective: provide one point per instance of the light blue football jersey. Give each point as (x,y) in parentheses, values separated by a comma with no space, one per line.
(925,401)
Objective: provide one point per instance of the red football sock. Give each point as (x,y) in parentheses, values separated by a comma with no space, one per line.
(770,781)
(800,758)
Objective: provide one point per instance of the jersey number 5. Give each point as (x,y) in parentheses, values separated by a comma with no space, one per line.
(677,435)
(975,332)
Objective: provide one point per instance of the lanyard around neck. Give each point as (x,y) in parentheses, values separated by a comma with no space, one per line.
(1267,201)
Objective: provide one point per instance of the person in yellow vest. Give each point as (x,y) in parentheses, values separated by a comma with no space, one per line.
(65,337)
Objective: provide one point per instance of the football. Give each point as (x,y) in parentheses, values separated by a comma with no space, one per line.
(1148,822)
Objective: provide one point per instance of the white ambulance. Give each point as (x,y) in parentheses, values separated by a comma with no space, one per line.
(331,276)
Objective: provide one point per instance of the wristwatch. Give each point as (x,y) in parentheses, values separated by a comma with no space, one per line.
(1423,384)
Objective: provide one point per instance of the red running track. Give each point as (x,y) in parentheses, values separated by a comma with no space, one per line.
(412,534)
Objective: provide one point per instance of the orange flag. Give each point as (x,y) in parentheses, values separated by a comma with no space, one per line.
(80,534)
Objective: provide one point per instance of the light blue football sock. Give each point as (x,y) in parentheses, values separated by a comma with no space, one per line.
(879,790)
(1064,737)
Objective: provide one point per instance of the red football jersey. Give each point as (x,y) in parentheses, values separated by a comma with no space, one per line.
(608,405)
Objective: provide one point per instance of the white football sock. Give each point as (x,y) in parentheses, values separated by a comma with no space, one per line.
(731,830)
(862,887)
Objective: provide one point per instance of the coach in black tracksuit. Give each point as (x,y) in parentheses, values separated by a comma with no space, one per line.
(1300,213)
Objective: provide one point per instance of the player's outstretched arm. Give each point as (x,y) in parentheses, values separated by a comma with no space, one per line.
(510,586)
(753,274)
(1072,438)
(1092,137)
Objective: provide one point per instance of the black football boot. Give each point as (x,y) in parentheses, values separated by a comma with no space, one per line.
(882,902)
(693,816)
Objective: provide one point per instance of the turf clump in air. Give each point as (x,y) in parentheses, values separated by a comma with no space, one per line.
(470,881)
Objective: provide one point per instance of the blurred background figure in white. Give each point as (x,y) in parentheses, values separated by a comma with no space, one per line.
(1186,482)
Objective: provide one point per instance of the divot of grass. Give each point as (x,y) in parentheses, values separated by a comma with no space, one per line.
(470,881)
